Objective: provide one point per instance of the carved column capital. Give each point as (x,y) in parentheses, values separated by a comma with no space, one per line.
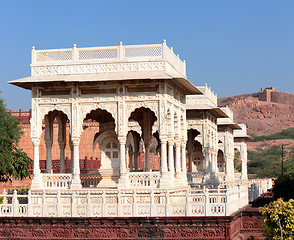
(48,143)
(122,140)
(177,143)
(36,142)
(75,141)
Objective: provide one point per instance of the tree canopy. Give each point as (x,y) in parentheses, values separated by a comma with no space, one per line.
(13,160)
(278,220)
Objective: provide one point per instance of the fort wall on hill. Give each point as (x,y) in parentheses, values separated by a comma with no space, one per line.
(267,95)
(282,97)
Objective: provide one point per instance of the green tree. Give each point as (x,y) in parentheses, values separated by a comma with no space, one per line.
(265,162)
(237,162)
(284,187)
(13,160)
(278,220)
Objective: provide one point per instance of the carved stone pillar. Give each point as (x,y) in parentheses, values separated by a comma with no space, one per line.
(76,181)
(190,162)
(229,169)
(213,167)
(171,164)
(48,156)
(71,156)
(214,161)
(36,181)
(163,157)
(49,140)
(184,163)
(206,161)
(164,182)
(207,165)
(243,156)
(122,161)
(62,140)
(178,160)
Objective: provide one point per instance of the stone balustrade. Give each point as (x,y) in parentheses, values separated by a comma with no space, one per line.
(144,179)
(221,176)
(258,186)
(198,177)
(118,203)
(195,177)
(57,180)
(121,53)
(208,98)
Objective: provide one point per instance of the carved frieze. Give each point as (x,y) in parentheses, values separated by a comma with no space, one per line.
(97,68)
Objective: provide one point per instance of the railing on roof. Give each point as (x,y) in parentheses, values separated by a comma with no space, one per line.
(228,111)
(208,97)
(208,93)
(109,54)
(240,132)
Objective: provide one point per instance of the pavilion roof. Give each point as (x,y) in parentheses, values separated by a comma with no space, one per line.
(115,63)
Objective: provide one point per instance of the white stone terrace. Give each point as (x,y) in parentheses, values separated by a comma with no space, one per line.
(242,132)
(207,100)
(229,120)
(97,56)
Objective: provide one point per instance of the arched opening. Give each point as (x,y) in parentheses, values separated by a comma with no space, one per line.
(237,161)
(133,149)
(192,133)
(144,146)
(197,158)
(99,159)
(221,164)
(55,151)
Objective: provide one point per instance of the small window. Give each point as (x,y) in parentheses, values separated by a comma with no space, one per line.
(108,145)
(115,154)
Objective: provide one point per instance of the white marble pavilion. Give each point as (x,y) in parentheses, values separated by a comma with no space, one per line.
(135,92)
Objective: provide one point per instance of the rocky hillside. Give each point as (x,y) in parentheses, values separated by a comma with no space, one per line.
(261,117)
(269,116)
(265,113)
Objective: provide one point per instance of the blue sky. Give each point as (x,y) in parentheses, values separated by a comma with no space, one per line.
(235,46)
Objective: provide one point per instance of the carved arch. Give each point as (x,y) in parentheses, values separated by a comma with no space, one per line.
(132,106)
(87,108)
(41,111)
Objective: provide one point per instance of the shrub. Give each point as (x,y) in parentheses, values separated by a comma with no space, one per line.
(284,187)
(278,219)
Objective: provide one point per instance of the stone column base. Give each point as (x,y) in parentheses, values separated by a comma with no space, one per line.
(165,181)
(122,182)
(76,182)
(36,182)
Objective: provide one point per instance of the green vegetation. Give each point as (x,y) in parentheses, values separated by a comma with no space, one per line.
(267,162)
(284,134)
(237,162)
(13,160)
(278,220)
(284,187)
